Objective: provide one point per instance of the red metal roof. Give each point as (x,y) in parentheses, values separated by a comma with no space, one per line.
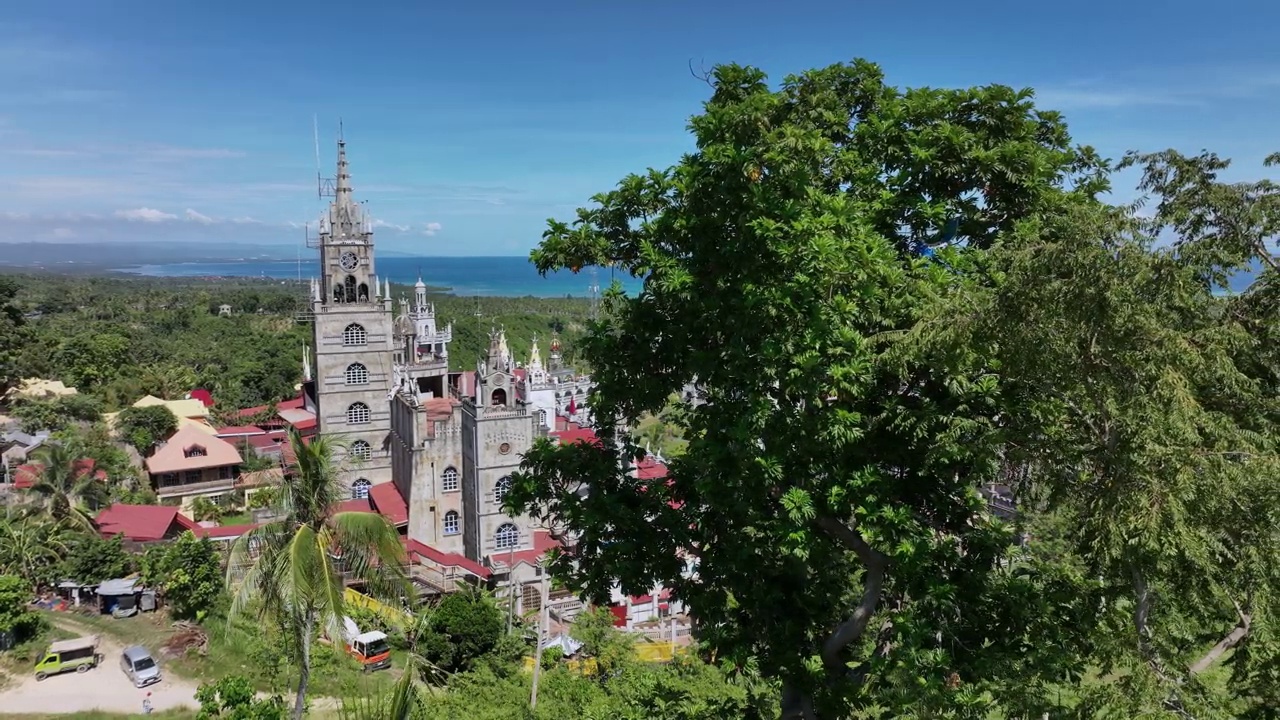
(387,501)
(245,430)
(445,559)
(542,544)
(352,506)
(24,476)
(586,435)
(142,522)
(650,469)
(204,396)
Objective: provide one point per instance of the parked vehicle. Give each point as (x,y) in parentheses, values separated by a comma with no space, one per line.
(371,650)
(139,666)
(80,655)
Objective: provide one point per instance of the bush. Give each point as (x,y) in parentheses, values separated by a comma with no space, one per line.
(16,617)
(233,697)
(464,627)
(93,559)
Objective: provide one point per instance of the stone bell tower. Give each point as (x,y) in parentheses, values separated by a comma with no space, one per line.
(353,339)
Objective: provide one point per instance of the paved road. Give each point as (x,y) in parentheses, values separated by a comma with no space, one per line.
(103,688)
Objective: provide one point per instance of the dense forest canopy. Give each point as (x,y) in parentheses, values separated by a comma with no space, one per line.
(120,337)
(893,300)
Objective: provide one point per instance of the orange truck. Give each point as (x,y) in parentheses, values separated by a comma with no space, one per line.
(371,650)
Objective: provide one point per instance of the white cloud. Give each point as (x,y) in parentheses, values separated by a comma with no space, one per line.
(432,228)
(201,218)
(145,215)
(63,233)
(391,226)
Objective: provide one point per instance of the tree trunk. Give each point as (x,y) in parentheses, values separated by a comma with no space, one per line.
(304,677)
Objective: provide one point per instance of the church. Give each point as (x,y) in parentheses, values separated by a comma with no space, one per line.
(446,441)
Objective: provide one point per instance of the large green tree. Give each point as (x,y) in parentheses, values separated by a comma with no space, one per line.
(146,427)
(1143,412)
(830,486)
(292,570)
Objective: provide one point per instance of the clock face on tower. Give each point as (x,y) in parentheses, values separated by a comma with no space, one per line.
(348,260)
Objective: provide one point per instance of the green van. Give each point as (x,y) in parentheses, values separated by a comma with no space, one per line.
(80,655)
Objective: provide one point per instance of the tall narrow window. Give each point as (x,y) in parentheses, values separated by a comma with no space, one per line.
(355,335)
(349,285)
(360,489)
(452,525)
(449,480)
(501,488)
(361,450)
(357,414)
(357,374)
(507,536)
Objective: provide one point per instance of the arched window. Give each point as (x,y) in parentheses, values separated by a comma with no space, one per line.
(357,414)
(499,398)
(364,292)
(542,418)
(360,449)
(452,525)
(449,480)
(357,374)
(507,536)
(501,488)
(349,286)
(360,489)
(355,335)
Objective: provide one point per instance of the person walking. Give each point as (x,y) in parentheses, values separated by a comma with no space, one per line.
(146,704)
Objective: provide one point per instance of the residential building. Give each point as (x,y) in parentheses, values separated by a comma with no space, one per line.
(193,464)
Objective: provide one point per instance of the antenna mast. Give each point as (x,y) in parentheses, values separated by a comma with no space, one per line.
(594,290)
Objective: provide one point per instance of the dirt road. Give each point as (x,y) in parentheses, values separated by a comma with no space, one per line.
(103,688)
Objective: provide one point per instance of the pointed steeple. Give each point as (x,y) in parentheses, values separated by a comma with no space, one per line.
(342,186)
(535,357)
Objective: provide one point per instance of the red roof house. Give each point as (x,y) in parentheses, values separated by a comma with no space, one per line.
(143,523)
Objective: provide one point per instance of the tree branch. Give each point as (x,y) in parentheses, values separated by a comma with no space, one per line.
(1238,633)
(876,564)
(1141,613)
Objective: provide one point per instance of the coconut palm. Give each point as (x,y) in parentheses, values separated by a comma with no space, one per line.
(292,570)
(67,487)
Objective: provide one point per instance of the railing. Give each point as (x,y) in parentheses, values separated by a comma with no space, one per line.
(180,488)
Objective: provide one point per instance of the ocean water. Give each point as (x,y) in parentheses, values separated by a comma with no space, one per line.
(490,276)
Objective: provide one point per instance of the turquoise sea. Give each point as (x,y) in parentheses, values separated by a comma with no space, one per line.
(500,276)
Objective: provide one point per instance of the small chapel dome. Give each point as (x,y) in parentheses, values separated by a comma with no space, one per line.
(404,326)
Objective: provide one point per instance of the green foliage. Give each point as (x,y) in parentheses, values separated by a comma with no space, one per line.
(189,573)
(92,559)
(176,340)
(57,413)
(146,427)
(686,689)
(233,698)
(611,649)
(13,335)
(465,626)
(32,547)
(292,577)
(16,616)
(203,509)
(829,487)
(67,488)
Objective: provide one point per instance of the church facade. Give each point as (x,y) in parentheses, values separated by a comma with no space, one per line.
(448,441)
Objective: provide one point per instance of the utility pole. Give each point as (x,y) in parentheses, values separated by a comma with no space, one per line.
(542,629)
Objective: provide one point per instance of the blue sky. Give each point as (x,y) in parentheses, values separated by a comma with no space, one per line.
(469,124)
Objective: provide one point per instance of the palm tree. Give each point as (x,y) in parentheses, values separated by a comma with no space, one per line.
(292,570)
(30,547)
(68,489)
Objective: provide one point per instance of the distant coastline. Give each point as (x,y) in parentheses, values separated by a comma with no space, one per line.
(466,276)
